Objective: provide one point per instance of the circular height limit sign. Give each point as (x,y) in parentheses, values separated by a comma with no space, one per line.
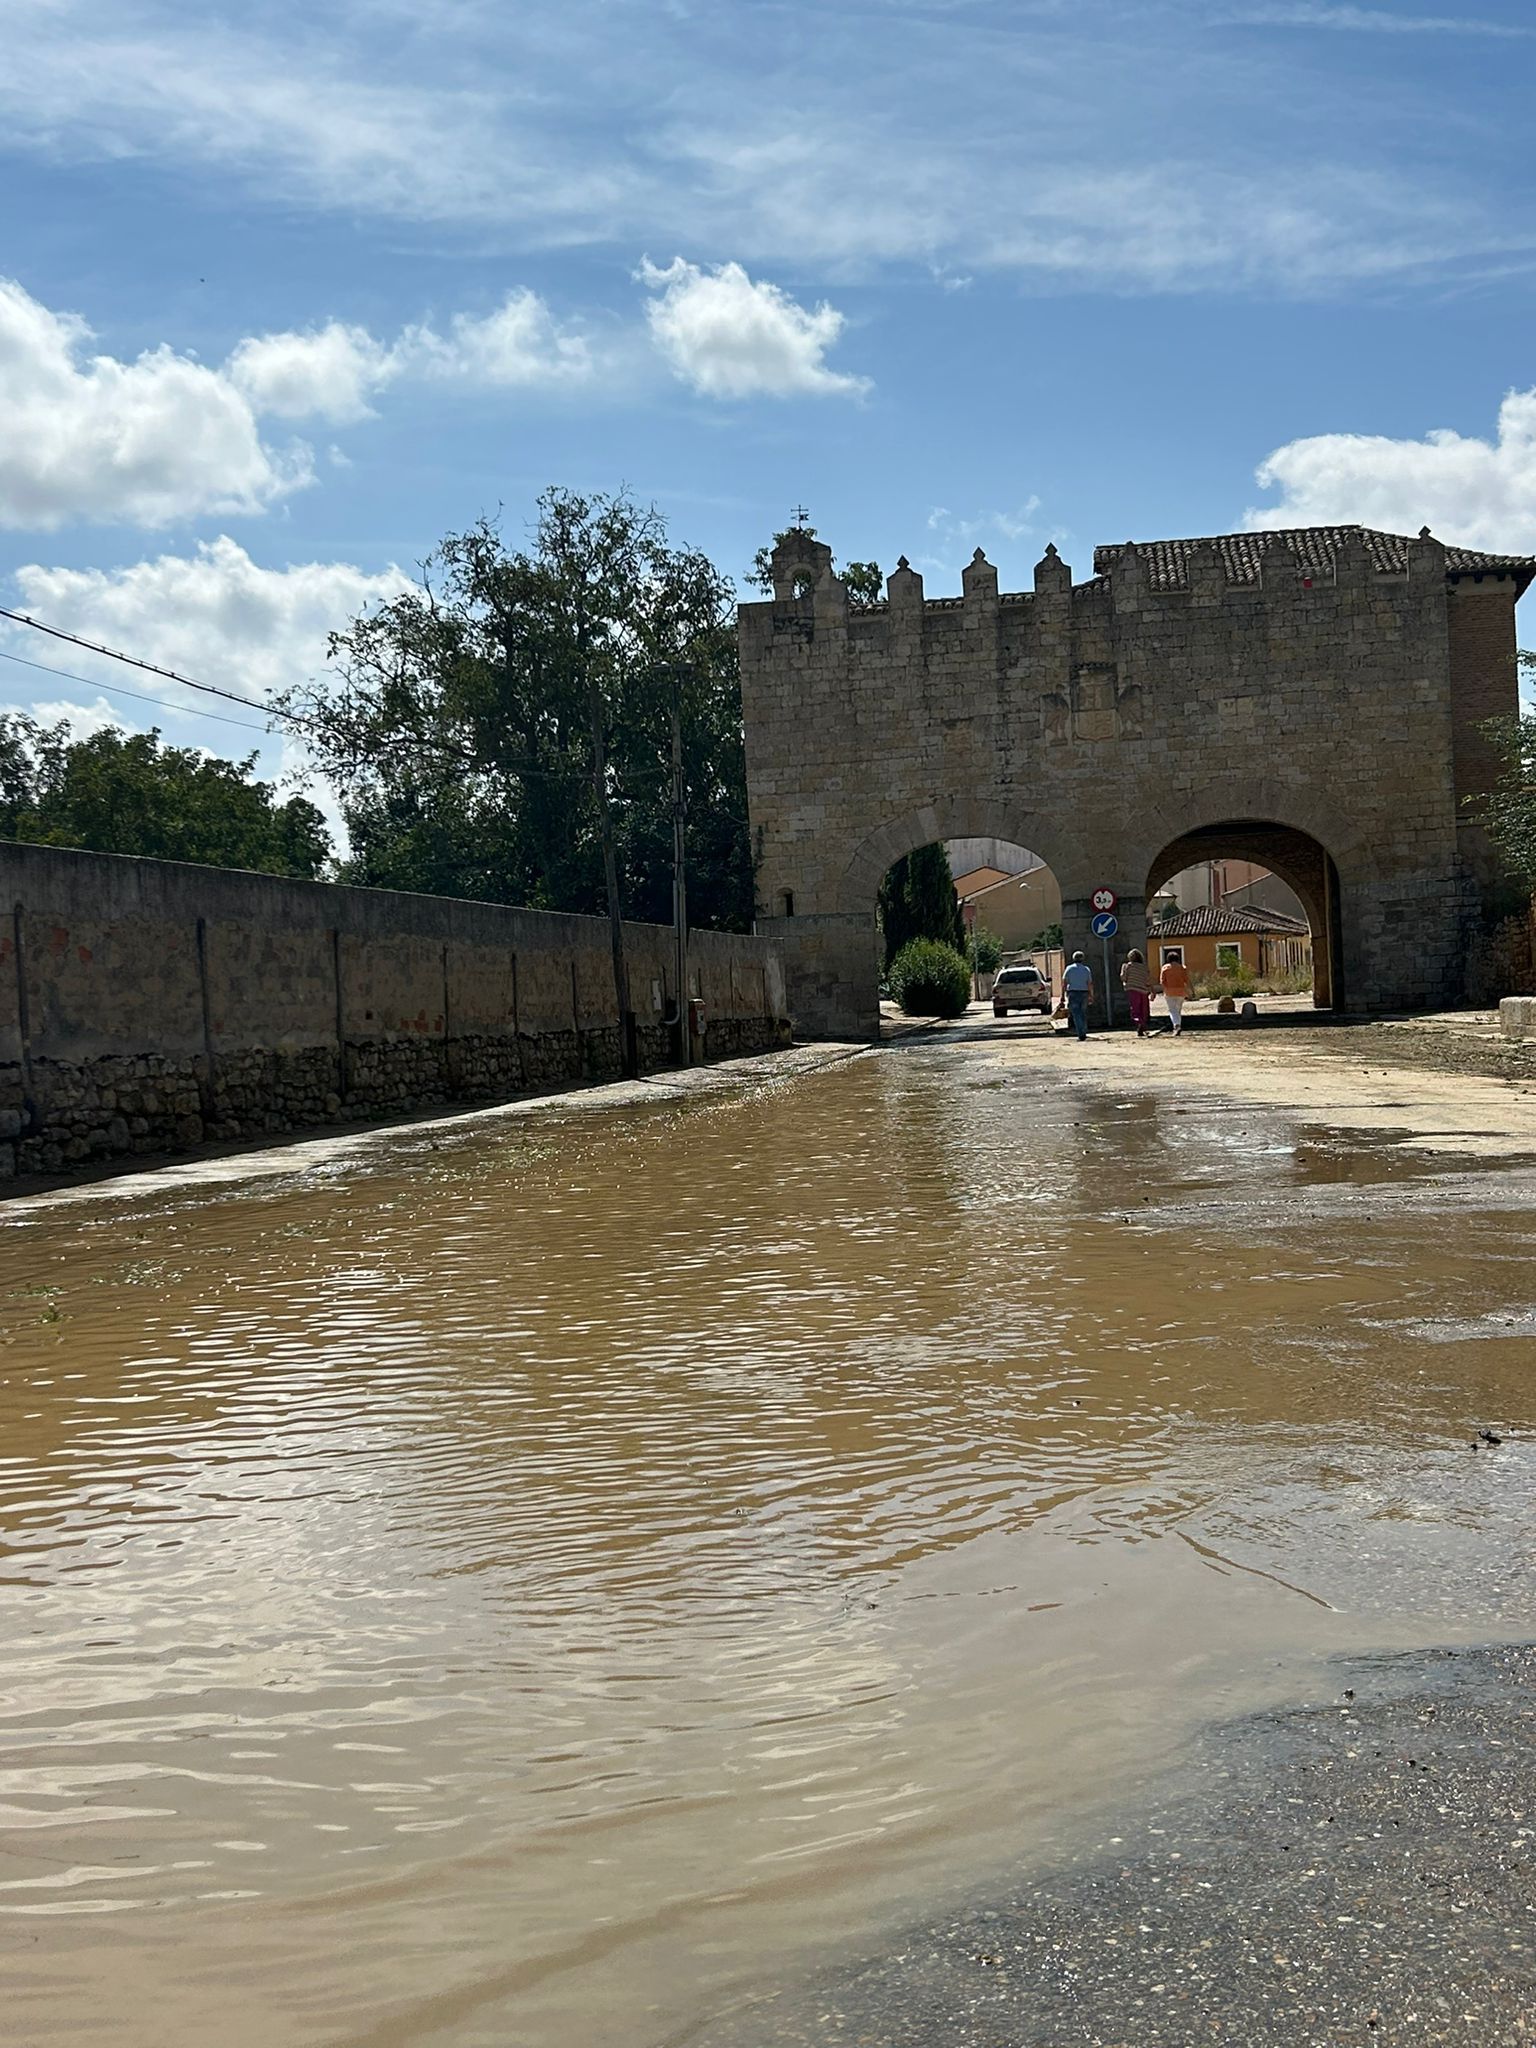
(1104,899)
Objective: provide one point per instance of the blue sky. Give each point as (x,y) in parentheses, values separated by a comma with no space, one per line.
(287,292)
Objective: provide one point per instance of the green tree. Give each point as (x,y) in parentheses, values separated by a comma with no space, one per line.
(128,793)
(461,731)
(1509,808)
(863,581)
(917,901)
(986,950)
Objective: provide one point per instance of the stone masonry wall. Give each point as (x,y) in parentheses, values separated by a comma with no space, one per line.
(1286,693)
(146,1006)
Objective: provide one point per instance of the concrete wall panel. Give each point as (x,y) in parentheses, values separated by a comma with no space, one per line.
(479,990)
(392,987)
(269,987)
(102,985)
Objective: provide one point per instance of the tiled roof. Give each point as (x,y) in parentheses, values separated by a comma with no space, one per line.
(1226,922)
(1313,546)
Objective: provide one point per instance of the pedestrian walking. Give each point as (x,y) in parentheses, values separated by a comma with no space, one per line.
(1077,982)
(1175,986)
(1136,980)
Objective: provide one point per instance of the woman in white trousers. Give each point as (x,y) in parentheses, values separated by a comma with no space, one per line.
(1174,981)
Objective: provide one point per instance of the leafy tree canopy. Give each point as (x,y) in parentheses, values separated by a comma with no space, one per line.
(986,950)
(129,793)
(460,733)
(1509,808)
(917,901)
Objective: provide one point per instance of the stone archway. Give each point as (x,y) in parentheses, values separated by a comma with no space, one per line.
(943,818)
(1301,861)
(837,948)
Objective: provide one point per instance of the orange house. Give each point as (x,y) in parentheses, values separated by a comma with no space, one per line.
(1212,940)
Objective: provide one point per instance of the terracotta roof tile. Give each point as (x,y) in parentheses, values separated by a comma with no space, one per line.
(1314,548)
(1227,921)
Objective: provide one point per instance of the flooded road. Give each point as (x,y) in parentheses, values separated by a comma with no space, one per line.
(536,1581)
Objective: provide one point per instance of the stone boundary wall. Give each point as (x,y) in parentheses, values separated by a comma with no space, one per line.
(146,1006)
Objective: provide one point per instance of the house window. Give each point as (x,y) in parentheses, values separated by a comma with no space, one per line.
(1173,953)
(1229,956)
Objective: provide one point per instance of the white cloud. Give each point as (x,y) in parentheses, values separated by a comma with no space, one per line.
(84,720)
(519,343)
(165,438)
(1477,492)
(293,108)
(731,338)
(332,372)
(85,436)
(1113,144)
(327,373)
(1369,21)
(1013,525)
(1135,147)
(215,615)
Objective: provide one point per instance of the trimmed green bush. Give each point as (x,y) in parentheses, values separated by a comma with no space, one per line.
(930,980)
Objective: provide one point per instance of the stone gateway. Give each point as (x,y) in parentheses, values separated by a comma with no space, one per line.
(1310,700)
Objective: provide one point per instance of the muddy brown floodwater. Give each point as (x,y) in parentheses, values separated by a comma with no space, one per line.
(538,1581)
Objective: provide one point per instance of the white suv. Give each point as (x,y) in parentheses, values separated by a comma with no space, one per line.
(1021,988)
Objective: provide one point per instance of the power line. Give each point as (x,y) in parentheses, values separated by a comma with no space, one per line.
(117,690)
(149,667)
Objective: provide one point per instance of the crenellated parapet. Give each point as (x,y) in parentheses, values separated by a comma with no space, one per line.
(1133,581)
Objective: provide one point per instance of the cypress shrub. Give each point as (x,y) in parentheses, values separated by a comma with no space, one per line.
(930,980)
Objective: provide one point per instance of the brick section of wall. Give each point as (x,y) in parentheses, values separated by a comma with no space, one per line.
(1099,724)
(146,1006)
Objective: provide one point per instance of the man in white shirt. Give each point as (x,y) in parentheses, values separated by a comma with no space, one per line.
(1077,985)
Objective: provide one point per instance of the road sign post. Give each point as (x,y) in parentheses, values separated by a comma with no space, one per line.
(1105,925)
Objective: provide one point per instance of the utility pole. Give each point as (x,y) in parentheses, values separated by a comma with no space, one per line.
(628,1039)
(679,871)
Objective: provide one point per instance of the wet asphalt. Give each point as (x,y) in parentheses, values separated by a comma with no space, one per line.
(1360,1870)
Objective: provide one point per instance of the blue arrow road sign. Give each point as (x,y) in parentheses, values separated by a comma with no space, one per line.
(1105,925)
